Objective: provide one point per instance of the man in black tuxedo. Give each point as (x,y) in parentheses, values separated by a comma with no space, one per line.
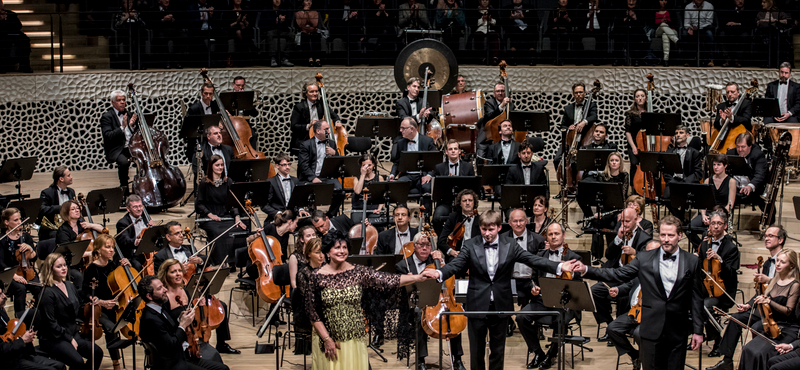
(166,335)
(467,199)
(117,127)
(725,110)
(414,264)
(419,111)
(774,240)
(692,163)
(492,108)
(310,157)
(526,171)
(788,94)
(412,141)
(527,240)
(175,248)
(576,116)
(504,151)
(52,198)
(280,188)
(239,85)
(214,146)
(453,166)
(19,354)
(719,245)
(751,187)
(391,241)
(306,112)
(128,240)
(490,260)
(529,324)
(338,225)
(201,107)
(670,287)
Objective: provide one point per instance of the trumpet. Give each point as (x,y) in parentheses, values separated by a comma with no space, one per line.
(52,225)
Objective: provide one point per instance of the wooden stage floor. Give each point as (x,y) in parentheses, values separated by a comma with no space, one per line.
(244,333)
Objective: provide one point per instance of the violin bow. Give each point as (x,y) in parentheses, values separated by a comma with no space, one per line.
(36,311)
(209,284)
(123,230)
(17,227)
(762,336)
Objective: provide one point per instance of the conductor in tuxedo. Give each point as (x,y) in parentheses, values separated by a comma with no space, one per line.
(411,141)
(490,260)
(391,241)
(161,331)
(280,188)
(412,105)
(306,112)
(310,157)
(175,248)
(117,125)
(52,198)
(670,293)
(413,265)
(492,108)
(128,240)
(199,108)
(453,166)
(725,110)
(788,94)
(576,116)
(213,146)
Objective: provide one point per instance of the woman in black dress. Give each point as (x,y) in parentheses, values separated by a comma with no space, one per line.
(68,232)
(724,196)
(312,259)
(16,241)
(633,124)
(613,173)
(368,176)
(57,325)
(211,202)
(540,220)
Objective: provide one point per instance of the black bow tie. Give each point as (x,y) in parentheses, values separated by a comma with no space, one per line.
(578,105)
(519,238)
(413,100)
(412,141)
(423,263)
(402,234)
(121,113)
(490,245)
(138,220)
(216,147)
(528,167)
(65,192)
(287,179)
(783,83)
(506,142)
(453,165)
(667,256)
(552,252)
(321,142)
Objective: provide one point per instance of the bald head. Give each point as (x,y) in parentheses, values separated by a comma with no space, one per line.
(629,219)
(653,244)
(518,221)
(555,235)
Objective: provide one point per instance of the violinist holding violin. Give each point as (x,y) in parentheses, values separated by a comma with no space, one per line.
(129,239)
(781,296)
(18,354)
(211,202)
(175,248)
(392,240)
(467,217)
(68,232)
(12,247)
(167,334)
(368,176)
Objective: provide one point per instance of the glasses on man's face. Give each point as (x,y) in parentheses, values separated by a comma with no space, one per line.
(423,245)
(404,128)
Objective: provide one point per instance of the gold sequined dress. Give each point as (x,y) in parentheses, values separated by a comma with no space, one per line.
(342,302)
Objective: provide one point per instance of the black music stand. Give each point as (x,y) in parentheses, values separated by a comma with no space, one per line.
(73,251)
(378,127)
(8,275)
(494,175)
(254,191)
(603,195)
(152,240)
(445,188)
(194,126)
(421,162)
(104,200)
(311,195)
(661,124)
(690,195)
(236,101)
(27,207)
(389,192)
(249,170)
(530,121)
(767,108)
(377,262)
(521,196)
(658,163)
(17,170)
(339,167)
(565,294)
(434,100)
(737,166)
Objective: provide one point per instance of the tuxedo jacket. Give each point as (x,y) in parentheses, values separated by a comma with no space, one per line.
(127,239)
(276,199)
(516,177)
(792,95)
(50,206)
(443,169)
(166,253)
(454,218)
(227,153)
(481,286)
(743,115)
(342,223)
(301,117)
(692,166)
(544,253)
(730,263)
(614,250)
(387,241)
(162,332)
(307,158)
(403,109)
(195,110)
(495,153)
(412,267)
(113,136)
(568,114)
(758,167)
(400,145)
(535,243)
(662,314)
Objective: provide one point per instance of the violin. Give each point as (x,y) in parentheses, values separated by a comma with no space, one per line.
(636,310)
(88,234)
(191,336)
(770,326)
(24,266)
(367,233)
(123,284)
(713,280)
(91,314)
(16,327)
(566,275)
(265,252)
(452,325)
(458,232)
(627,258)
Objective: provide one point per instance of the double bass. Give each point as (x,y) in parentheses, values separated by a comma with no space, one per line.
(643,182)
(492,127)
(725,138)
(338,136)
(576,140)
(159,184)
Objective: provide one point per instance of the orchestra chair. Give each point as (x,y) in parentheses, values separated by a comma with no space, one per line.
(571,340)
(245,285)
(635,340)
(282,278)
(150,353)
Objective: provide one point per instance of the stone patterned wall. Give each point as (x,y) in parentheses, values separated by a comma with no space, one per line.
(55,117)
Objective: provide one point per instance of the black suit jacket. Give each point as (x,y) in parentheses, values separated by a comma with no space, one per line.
(516,177)
(692,166)
(425,144)
(535,243)
(758,167)
(162,331)
(568,114)
(443,169)
(127,239)
(50,206)
(454,218)
(481,286)
(342,224)
(544,253)
(307,158)
(768,262)
(113,136)
(730,263)
(743,115)
(495,153)
(661,315)
(412,267)
(792,96)
(301,117)
(403,109)
(614,250)
(58,320)
(195,110)
(387,243)
(276,200)
(166,253)
(227,153)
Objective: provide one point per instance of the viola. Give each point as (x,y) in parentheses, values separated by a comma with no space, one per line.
(452,325)
(91,314)
(566,275)
(458,232)
(191,336)
(367,233)
(88,234)
(768,321)
(627,258)
(636,310)
(16,327)
(265,252)
(713,280)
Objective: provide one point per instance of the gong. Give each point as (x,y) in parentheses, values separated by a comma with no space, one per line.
(433,54)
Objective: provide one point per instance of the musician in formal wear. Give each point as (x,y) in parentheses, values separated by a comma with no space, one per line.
(73,226)
(506,150)
(412,105)
(788,94)
(175,249)
(338,225)
(575,117)
(724,196)
(310,157)
(308,111)
(280,228)
(19,354)
(299,258)
(492,108)
(412,140)
(527,171)
(613,173)
(201,107)
(530,241)
(529,324)
(57,322)
(691,165)
(749,188)
(719,245)
(725,110)
(413,265)
(211,202)
(467,199)
(52,198)
(392,240)
(214,146)
(774,241)
(280,188)
(239,84)
(540,220)
(633,124)
(453,166)
(161,331)
(490,285)
(368,175)
(307,257)
(117,127)
(669,278)
(128,237)
(21,241)
(781,294)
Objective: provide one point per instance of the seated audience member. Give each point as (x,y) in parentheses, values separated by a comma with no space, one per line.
(520,25)
(665,23)
(596,27)
(202,24)
(380,24)
(237,23)
(309,22)
(698,19)
(487,36)
(277,20)
(345,23)
(167,20)
(629,33)
(413,16)
(562,29)
(735,27)
(772,26)
(451,20)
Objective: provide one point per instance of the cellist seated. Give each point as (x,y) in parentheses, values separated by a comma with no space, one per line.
(726,108)
(413,265)
(310,157)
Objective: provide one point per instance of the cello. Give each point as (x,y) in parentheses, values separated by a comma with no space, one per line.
(265,252)
(725,138)
(159,184)
(367,233)
(452,325)
(566,178)
(123,284)
(492,127)
(89,234)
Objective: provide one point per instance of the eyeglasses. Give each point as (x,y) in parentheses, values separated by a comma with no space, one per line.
(405,128)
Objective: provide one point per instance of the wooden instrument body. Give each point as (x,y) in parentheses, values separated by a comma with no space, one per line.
(492,127)
(627,258)
(452,325)
(371,235)
(121,278)
(713,281)
(158,183)
(268,291)
(636,310)
(10,334)
(724,139)
(458,232)
(191,334)
(408,249)
(87,234)
(24,267)
(91,318)
(461,114)
(771,328)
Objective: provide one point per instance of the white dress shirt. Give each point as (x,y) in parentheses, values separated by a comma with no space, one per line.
(700,18)
(178,254)
(526,172)
(125,129)
(619,241)
(62,197)
(771,272)
(634,297)
(219,153)
(138,225)
(468,227)
(419,263)
(669,270)
(555,257)
(783,91)
(206,108)
(413,147)
(321,145)
(287,187)
(312,109)
(452,168)
(399,240)
(521,270)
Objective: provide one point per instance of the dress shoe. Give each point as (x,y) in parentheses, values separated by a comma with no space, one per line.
(317,63)
(421,365)
(547,361)
(596,262)
(603,338)
(609,344)
(558,196)
(537,359)
(286,63)
(458,364)
(225,348)
(725,364)
(273,63)
(511,327)
(715,350)
(636,364)
(377,341)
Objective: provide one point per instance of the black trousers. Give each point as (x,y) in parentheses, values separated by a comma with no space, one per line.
(529,326)
(422,342)
(63,351)
(665,354)
(201,364)
(477,329)
(37,363)
(732,333)
(602,301)
(723,303)
(123,166)
(618,331)
(108,320)
(787,361)
(18,291)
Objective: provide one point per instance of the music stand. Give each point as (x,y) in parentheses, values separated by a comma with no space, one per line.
(690,195)
(434,99)
(378,127)
(152,240)
(737,166)
(128,316)
(593,159)
(427,296)
(337,166)
(603,195)
(445,188)
(17,170)
(310,196)
(249,170)
(767,108)
(235,101)
(99,200)
(420,162)
(206,278)
(658,163)
(73,251)
(521,196)
(389,192)
(565,294)
(661,124)
(254,191)
(494,175)
(194,126)
(530,121)
(27,207)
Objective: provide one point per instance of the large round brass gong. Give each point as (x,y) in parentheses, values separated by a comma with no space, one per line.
(414,58)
